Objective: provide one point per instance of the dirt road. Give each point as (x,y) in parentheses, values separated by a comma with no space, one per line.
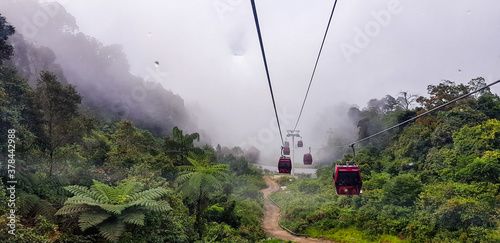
(272,214)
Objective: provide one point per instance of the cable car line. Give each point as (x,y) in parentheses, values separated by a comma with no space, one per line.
(265,64)
(316,64)
(425,113)
(347,176)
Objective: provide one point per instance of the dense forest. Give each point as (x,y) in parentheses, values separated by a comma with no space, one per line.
(82,177)
(87,172)
(436,179)
(100,73)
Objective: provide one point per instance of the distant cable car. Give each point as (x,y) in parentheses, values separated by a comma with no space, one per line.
(308,159)
(300,144)
(286,150)
(287,144)
(285,165)
(348,178)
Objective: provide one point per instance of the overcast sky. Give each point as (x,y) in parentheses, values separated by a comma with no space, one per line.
(209,53)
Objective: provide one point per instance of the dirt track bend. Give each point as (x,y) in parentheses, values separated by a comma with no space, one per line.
(272,215)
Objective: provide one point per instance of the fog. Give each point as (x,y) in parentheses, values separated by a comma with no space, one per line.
(207,53)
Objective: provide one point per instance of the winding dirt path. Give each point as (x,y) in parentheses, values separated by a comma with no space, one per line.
(272,215)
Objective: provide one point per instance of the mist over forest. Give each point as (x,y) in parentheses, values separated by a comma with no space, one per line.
(124,121)
(51,41)
(101,73)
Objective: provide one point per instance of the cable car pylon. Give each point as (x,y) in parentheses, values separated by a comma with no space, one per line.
(293,133)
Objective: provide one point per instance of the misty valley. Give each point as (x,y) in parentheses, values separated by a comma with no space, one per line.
(184,121)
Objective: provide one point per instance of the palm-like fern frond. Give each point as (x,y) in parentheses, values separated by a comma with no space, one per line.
(183,178)
(136,218)
(153,205)
(196,180)
(30,205)
(81,200)
(127,189)
(186,168)
(72,209)
(202,174)
(90,219)
(103,192)
(110,208)
(114,208)
(112,230)
(80,191)
(153,194)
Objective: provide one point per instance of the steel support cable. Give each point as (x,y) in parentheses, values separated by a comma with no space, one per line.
(316,64)
(267,69)
(425,113)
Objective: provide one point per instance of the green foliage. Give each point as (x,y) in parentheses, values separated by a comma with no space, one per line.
(221,233)
(484,169)
(401,190)
(476,140)
(179,146)
(237,165)
(489,104)
(442,93)
(413,142)
(202,176)
(198,180)
(377,181)
(57,105)
(223,212)
(436,179)
(433,180)
(308,186)
(6,30)
(110,208)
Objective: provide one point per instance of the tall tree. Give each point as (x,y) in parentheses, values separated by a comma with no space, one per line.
(58,106)
(179,146)
(201,178)
(6,30)
(15,109)
(443,92)
(406,100)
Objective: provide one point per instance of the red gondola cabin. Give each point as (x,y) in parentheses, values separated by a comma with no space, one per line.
(286,151)
(285,165)
(287,144)
(347,179)
(300,144)
(308,159)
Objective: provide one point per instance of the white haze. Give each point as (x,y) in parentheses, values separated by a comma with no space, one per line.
(210,53)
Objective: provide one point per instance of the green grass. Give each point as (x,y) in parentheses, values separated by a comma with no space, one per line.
(350,235)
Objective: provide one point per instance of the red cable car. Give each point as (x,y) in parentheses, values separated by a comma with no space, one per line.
(308,159)
(300,144)
(347,179)
(287,144)
(285,165)
(286,150)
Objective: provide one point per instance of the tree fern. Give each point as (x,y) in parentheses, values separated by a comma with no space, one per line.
(152,194)
(112,230)
(90,219)
(31,205)
(201,177)
(80,191)
(110,208)
(136,218)
(72,209)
